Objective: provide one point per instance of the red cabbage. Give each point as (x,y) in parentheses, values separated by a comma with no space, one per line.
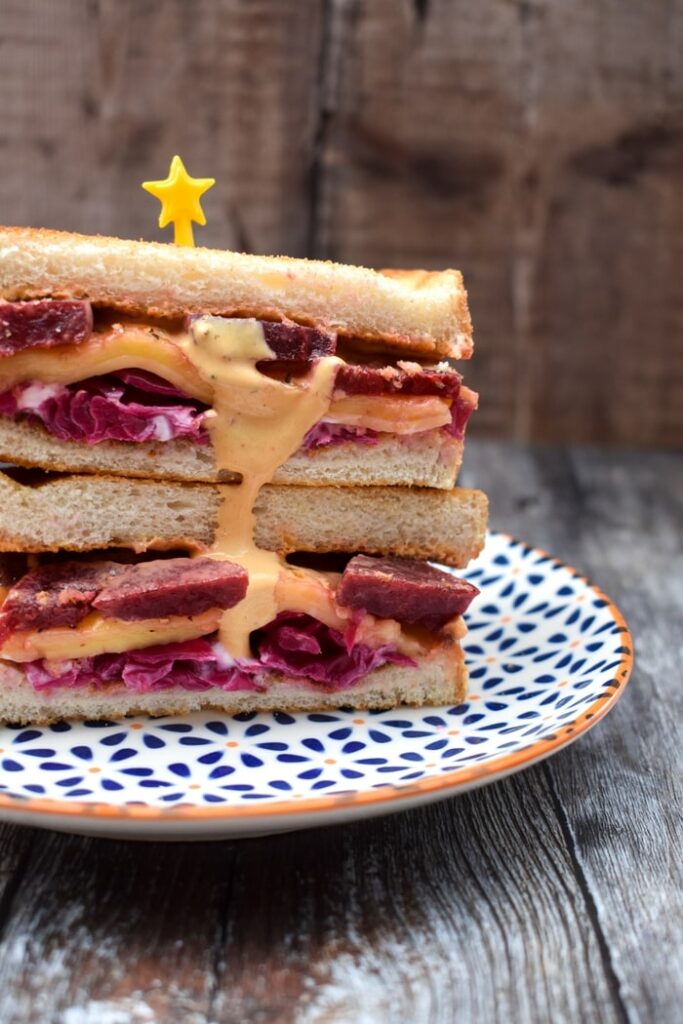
(191,665)
(150,383)
(116,408)
(299,645)
(295,644)
(461,410)
(322,434)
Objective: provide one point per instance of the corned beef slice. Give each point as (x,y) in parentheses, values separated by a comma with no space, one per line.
(407,379)
(293,343)
(62,594)
(404,589)
(43,324)
(172,586)
(295,644)
(58,594)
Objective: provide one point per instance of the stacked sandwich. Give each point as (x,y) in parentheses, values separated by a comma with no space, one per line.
(236,471)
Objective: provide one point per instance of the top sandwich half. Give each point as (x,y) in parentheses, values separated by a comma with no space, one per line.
(97,367)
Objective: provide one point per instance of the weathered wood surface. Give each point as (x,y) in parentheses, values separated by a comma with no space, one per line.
(536,145)
(97,95)
(553,896)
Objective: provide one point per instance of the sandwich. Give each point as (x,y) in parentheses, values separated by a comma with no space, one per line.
(95,375)
(108,612)
(237,473)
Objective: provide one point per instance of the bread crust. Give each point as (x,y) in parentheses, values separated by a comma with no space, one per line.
(417,311)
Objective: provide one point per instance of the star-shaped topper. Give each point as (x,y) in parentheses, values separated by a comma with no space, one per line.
(179,196)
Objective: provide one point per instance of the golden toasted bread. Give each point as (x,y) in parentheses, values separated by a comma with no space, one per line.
(416,311)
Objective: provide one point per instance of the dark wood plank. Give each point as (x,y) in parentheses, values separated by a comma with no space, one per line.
(410,175)
(105,932)
(537,147)
(467,910)
(462,911)
(618,518)
(231,86)
(15,845)
(622,792)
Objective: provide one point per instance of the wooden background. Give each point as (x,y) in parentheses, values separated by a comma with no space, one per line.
(536,144)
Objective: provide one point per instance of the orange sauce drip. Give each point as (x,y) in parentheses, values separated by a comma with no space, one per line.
(256,424)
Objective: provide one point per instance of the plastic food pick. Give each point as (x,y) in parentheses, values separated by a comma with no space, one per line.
(179,196)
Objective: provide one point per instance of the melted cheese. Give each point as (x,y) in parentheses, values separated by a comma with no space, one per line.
(304,590)
(96,635)
(119,347)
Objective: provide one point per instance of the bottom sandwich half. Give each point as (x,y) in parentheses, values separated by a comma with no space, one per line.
(106,635)
(144,616)
(439,680)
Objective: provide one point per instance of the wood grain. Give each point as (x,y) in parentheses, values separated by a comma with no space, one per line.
(230,85)
(552,896)
(464,911)
(105,931)
(447,914)
(618,792)
(538,147)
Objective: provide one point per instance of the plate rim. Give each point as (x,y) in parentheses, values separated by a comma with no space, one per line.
(444,784)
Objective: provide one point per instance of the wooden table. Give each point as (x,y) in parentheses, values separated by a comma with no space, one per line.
(553,896)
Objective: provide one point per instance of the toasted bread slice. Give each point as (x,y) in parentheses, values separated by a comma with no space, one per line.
(81,513)
(415,311)
(429,459)
(439,679)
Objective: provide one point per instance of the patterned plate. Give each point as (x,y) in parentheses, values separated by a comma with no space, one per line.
(549,654)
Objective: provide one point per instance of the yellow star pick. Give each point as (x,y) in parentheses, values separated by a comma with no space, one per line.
(179,196)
